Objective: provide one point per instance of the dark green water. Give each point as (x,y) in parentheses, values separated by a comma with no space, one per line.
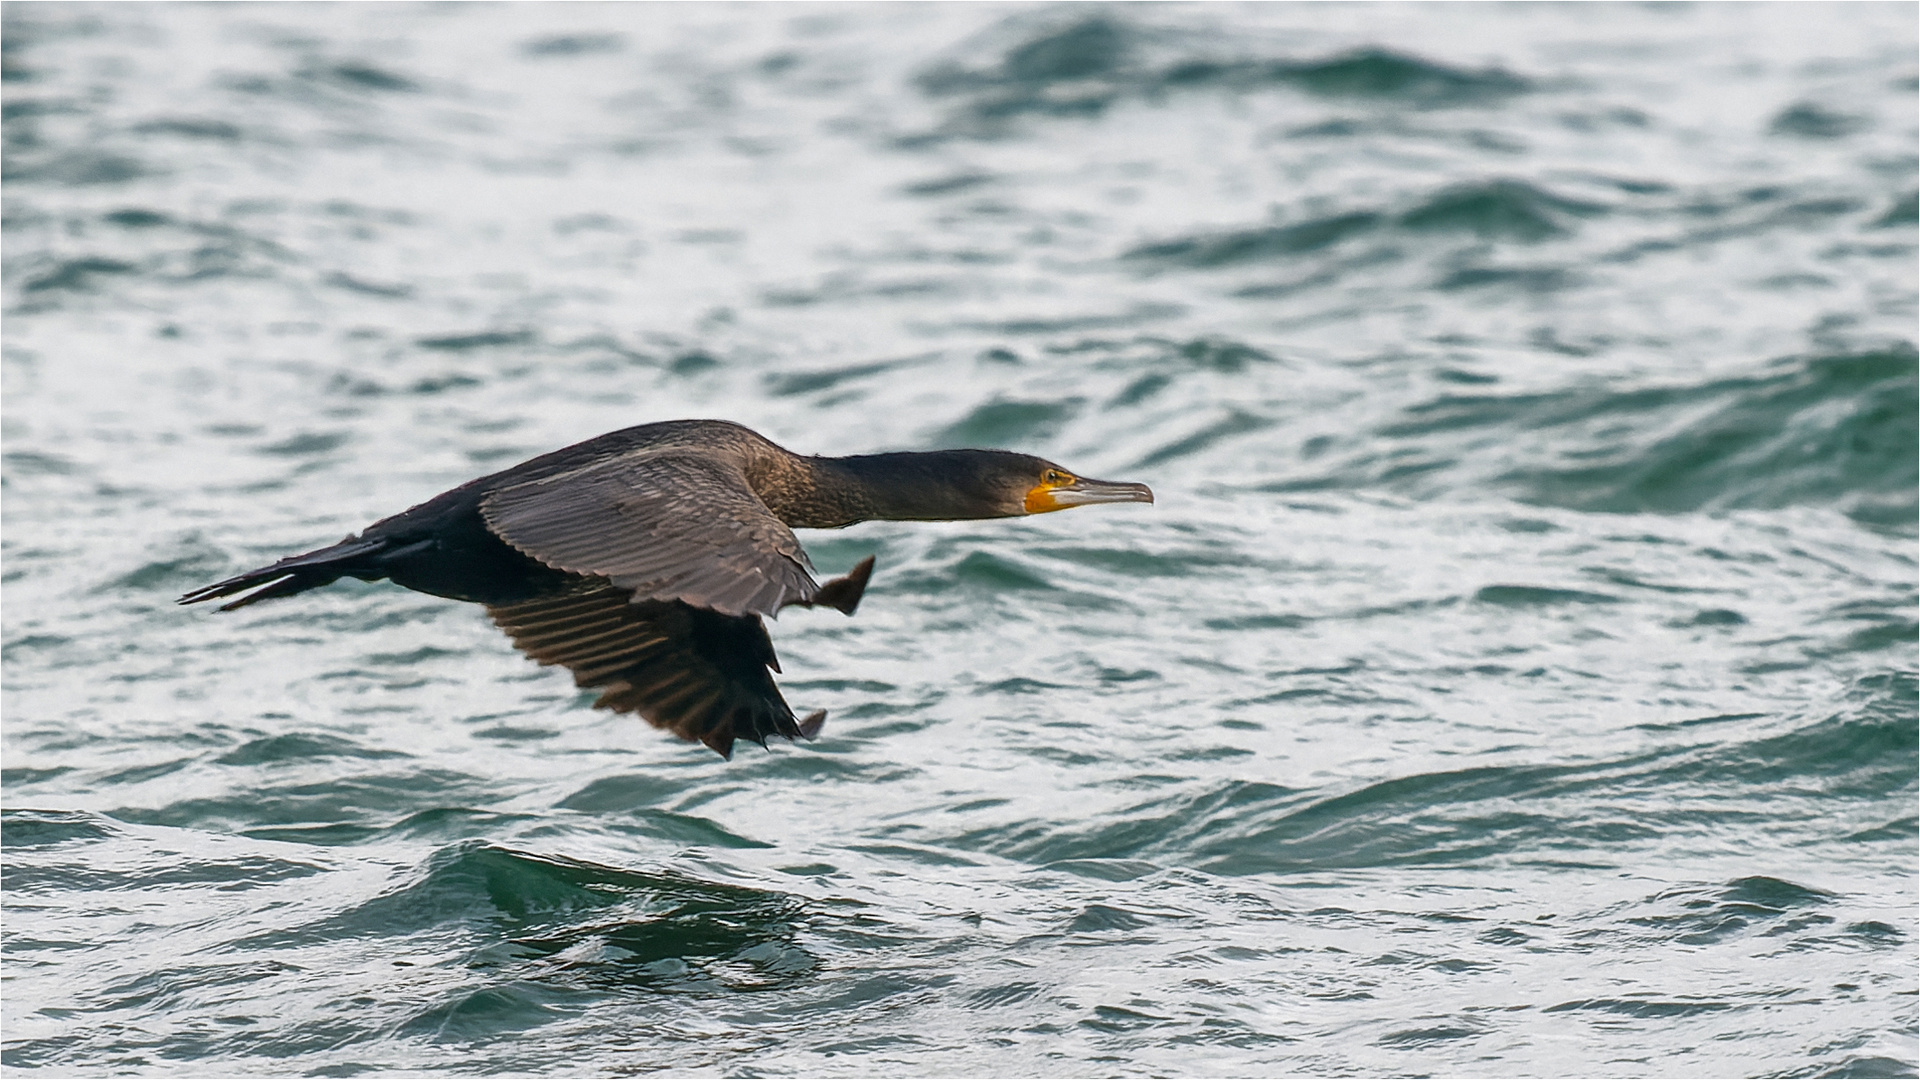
(1515,677)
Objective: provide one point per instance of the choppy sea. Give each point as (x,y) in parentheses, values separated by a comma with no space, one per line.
(1516,676)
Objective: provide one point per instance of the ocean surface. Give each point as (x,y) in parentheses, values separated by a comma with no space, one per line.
(1516,676)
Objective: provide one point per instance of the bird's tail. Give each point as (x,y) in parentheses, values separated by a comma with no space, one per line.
(294,574)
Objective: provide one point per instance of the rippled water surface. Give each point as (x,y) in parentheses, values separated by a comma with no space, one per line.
(1515,677)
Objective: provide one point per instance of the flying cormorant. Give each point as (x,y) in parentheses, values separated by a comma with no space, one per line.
(644,559)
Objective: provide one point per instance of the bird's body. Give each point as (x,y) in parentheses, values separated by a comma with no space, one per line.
(644,559)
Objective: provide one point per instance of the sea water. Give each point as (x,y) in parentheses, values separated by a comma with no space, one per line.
(1516,674)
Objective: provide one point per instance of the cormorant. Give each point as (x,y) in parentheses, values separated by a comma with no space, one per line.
(644,559)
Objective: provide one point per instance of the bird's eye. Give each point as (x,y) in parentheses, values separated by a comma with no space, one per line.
(1055,478)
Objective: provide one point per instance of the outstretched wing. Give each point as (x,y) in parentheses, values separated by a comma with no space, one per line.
(700,674)
(679,560)
(664,525)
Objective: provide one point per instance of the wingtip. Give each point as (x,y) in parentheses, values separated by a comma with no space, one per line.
(810,727)
(844,593)
(720,742)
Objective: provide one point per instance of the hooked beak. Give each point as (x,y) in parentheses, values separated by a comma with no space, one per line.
(1084,492)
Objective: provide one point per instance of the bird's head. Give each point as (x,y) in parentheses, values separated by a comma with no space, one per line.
(961,485)
(1057,489)
(1000,483)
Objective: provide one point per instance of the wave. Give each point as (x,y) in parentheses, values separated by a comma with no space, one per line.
(1548,814)
(1826,430)
(613,928)
(1493,209)
(1085,66)
(498,940)
(27,828)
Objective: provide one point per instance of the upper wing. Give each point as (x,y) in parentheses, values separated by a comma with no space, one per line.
(666,525)
(699,674)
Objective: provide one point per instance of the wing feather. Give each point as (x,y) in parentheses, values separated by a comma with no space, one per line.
(665,525)
(698,673)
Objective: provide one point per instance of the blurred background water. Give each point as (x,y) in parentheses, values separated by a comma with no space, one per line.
(1515,677)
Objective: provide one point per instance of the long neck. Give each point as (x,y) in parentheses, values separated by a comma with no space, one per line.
(889,487)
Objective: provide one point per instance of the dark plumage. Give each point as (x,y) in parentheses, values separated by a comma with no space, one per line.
(644,559)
